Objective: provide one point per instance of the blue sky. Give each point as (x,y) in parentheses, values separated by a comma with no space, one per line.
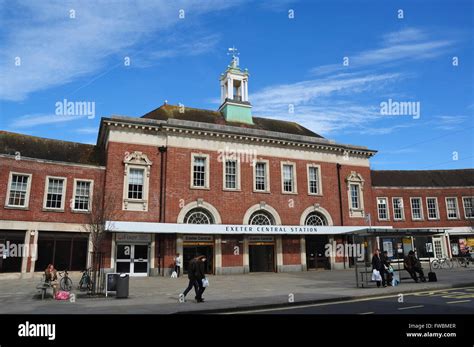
(292,61)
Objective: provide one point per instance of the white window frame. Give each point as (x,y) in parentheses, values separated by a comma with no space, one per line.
(237,174)
(140,161)
(355,178)
(63,196)
(267,176)
(294,184)
(428,210)
(320,185)
(91,194)
(402,208)
(206,170)
(387,207)
(464,206)
(458,215)
(421,208)
(28,190)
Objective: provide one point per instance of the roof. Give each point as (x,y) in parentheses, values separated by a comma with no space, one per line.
(167,111)
(48,149)
(425,178)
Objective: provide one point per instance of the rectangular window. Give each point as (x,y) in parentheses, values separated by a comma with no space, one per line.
(313,180)
(288,178)
(432,204)
(55,193)
(261,176)
(398,209)
(452,208)
(468,203)
(135,184)
(416,210)
(231,174)
(18,190)
(382,208)
(199,172)
(355,196)
(82,196)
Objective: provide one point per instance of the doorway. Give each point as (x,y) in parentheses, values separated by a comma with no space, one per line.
(261,258)
(192,251)
(132,259)
(315,252)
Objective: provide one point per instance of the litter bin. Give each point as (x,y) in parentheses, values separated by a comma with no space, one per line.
(122,286)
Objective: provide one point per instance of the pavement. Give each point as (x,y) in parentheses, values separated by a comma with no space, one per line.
(159,295)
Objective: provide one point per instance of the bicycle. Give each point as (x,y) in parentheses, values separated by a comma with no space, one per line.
(85,283)
(65,283)
(442,263)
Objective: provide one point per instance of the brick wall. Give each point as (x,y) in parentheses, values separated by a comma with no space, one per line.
(39,172)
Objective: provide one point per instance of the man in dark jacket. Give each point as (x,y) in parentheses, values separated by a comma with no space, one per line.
(377,264)
(200,274)
(192,278)
(413,266)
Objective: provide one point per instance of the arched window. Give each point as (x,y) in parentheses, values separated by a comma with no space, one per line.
(261,218)
(198,216)
(315,218)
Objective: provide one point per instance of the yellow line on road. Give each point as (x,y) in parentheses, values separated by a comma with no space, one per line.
(409,308)
(458,302)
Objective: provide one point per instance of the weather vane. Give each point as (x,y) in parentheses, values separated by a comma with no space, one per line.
(234,53)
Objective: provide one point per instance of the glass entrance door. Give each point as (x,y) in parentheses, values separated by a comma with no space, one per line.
(132,259)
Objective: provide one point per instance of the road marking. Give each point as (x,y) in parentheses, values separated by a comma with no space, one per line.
(458,302)
(294,307)
(409,308)
(366,313)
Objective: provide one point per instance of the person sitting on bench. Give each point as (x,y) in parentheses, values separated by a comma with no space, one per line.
(51,276)
(413,266)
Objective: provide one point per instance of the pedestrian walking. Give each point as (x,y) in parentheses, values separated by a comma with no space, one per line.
(192,278)
(200,275)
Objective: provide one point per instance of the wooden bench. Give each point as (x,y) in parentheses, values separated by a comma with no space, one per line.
(43,287)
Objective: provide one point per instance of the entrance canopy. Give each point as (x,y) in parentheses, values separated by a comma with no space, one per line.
(396,232)
(173,228)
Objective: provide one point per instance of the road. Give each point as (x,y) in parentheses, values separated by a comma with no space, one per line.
(449,301)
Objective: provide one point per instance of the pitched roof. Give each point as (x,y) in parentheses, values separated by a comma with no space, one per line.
(48,149)
(167,111)
(426,178)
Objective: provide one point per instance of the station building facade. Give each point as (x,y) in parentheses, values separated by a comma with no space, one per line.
(252,194)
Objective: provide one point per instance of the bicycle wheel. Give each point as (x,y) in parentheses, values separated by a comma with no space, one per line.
(435,264)
(449,263)
(65,284)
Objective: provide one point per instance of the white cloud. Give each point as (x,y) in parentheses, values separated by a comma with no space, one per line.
(55,49)
(323,105)
(91,130)
(32,120)
(410,44)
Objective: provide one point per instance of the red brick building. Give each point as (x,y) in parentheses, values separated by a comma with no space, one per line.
(253,194)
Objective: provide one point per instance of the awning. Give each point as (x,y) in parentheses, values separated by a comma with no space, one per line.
(223,229)
(398,232)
